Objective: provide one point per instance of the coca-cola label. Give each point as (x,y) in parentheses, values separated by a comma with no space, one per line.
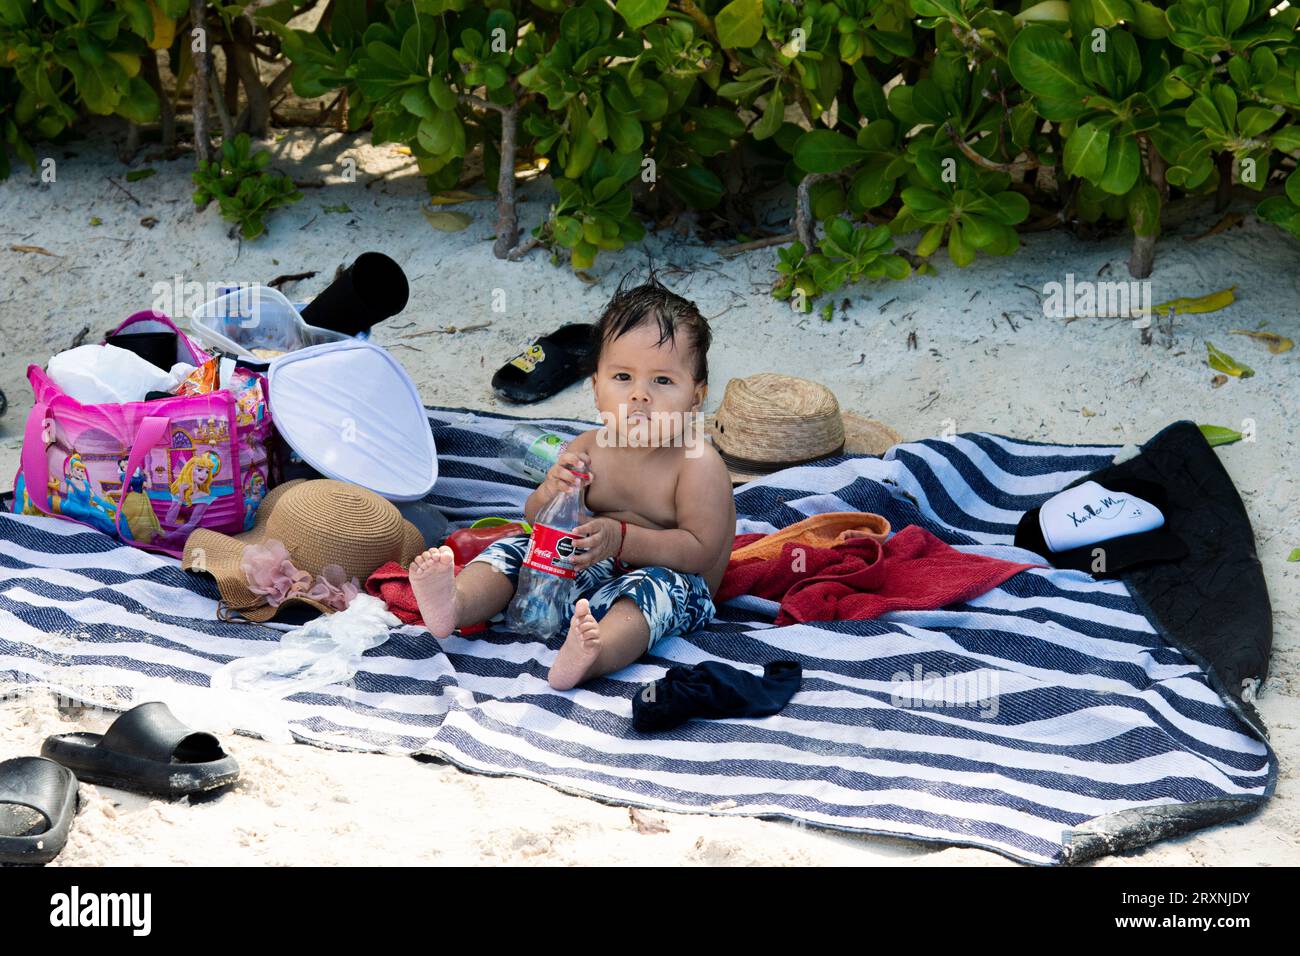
(551,550)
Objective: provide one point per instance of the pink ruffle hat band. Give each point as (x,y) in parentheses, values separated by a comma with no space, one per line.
(271,574)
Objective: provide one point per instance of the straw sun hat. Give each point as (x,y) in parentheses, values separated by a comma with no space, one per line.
(769,421)
(319,522)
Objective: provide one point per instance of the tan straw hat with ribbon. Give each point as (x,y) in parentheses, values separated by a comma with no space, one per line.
(770,421)
(320,522)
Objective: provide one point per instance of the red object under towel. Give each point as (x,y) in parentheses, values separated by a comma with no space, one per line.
(862,578)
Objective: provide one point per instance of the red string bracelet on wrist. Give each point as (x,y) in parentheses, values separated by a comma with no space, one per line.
(622,538)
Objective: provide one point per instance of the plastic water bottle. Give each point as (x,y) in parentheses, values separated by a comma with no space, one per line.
(531,451)
(541,602)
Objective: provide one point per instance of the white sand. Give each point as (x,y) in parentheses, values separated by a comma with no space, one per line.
(1086,381)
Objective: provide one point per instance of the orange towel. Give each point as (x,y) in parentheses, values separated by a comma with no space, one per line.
(819,531)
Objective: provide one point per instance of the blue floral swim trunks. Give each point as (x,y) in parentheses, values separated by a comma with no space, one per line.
(673,603)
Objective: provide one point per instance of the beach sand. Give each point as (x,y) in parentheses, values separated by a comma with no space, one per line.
(986,358)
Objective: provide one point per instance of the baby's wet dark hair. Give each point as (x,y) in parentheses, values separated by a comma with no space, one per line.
(678,319)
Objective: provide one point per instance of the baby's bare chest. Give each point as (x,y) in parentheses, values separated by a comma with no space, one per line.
(622,488)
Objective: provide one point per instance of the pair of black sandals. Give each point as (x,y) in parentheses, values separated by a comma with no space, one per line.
(146,750)
(548,366)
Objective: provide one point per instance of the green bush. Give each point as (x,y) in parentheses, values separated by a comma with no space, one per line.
(958,122)
(243,187)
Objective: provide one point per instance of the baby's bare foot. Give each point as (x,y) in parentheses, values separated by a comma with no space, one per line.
(434,583)
(580,650)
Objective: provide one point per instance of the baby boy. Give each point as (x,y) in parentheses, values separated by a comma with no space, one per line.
(653,555)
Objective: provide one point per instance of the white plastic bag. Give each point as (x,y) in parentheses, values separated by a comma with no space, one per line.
(107,374)
(322,652)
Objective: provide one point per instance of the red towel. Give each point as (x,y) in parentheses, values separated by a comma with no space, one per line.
(862,578)
(391,583)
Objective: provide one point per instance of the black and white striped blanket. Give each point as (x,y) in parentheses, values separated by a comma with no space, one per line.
(1011,722)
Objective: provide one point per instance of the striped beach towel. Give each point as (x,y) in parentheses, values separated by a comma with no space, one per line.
(1046,720)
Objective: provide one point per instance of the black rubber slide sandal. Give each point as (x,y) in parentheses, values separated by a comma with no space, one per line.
(146,750)
(38,799)
(548,366)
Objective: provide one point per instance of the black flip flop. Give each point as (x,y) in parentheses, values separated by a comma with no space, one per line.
(38,799)
(147,750)
(548,366)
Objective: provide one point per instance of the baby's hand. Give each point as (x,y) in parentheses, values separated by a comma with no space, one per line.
(600,538)
(560,479)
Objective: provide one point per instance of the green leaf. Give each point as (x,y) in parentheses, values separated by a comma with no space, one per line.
(1252,121)
(418,102)
(1218,435)
(135,175)
(638,13)
(1085,152)
(1286,138)
(584,254)
(923,200)
(437,134)
(580,28)
(446,220)
(1144,210)
(871,187)
(960,251)
(1294,555)
(981,232)
(567,230)
(868,95)
(1221,361)
(626,132)
(140,102)
(1106,13)
(931,240)
(1203,114)
(1123,163)
(1149,20)
(1045,63)
(581,152)
(441,94)
(826,151)
(772,118)
(1234,15)
(699,187)
(1010,208)
(739,24)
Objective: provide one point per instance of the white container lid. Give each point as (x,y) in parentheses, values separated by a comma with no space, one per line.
(352,413)
(255,317)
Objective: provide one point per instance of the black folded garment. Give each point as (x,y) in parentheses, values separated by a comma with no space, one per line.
(713,689)
(1210,602)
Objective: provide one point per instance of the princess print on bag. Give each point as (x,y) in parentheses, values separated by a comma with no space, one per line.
(85,500)
(194,480)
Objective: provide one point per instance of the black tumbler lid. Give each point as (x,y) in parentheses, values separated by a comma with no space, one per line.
(370,290)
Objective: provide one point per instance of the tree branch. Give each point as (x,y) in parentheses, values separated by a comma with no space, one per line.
(804,227)
(978,160)
(1143,254)
(256,117)
(480,103)
(166,114)
(202,145)
(227,128)
(507,213)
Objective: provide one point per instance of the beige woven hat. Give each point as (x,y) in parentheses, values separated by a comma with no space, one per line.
(770,421)
(320,522)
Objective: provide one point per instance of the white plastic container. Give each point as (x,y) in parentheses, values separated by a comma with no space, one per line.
(257,324)
(351,412)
